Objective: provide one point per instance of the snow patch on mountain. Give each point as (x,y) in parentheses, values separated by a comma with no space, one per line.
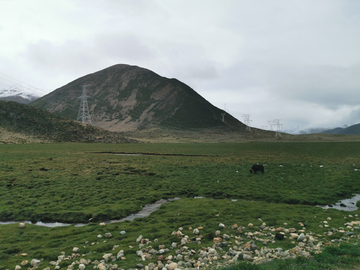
(20,93)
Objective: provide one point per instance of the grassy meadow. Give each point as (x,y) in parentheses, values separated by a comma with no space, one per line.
(73,183)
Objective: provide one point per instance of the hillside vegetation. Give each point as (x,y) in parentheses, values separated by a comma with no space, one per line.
(20,123)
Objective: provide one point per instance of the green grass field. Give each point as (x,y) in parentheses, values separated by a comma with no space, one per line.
(75,182)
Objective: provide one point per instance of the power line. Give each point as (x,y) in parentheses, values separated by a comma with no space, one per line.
(14,82)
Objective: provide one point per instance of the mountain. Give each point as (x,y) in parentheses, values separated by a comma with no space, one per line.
(20,93)
(20,123)
(351,130)
(130,98)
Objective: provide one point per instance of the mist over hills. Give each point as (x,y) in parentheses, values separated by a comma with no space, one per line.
(130,98)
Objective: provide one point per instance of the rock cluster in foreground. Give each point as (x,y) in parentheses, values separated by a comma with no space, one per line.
(225,249)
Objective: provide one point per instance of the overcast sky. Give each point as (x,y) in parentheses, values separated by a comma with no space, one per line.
(293,60)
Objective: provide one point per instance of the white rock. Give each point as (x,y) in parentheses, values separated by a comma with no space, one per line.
(120,254)
(76,250)
(35,262)
(17,267)
(21,225)
(107,256)
(101,266)
(108,235)
(247,257)
(301,237)
(139,239)
(172,266)
(81,266)
(122,232)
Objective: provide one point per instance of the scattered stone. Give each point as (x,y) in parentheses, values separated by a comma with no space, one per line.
(172,266)
(107,256)
(120,254)
(21,225)
(35,262)
(301,237)
(248,258)
(138,240)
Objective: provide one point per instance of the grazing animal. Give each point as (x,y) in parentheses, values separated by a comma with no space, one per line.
(257,168)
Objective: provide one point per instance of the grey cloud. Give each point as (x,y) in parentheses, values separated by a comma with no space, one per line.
(353,117)
(328,86)
(126,47)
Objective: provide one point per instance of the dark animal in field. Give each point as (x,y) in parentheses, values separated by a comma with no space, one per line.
(257,168)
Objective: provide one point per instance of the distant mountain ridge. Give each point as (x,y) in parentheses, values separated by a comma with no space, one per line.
(351,130)
(130,98)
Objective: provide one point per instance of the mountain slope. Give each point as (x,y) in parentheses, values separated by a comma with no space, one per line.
(130,98)
(24,123)
(351,130)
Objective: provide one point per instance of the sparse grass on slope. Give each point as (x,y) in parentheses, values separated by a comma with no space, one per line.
(46,126)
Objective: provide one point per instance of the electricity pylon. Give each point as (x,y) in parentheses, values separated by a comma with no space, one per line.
(247,121)
(278,127)
(84,113)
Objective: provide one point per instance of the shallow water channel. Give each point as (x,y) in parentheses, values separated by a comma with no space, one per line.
(147,210)
(345,205)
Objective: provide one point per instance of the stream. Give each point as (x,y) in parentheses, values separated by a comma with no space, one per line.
(345,205)
(144,212)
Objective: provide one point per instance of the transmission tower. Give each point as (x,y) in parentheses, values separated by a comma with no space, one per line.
(223,117)
(271,123)
(84,113)
(247,121)
(278,127)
